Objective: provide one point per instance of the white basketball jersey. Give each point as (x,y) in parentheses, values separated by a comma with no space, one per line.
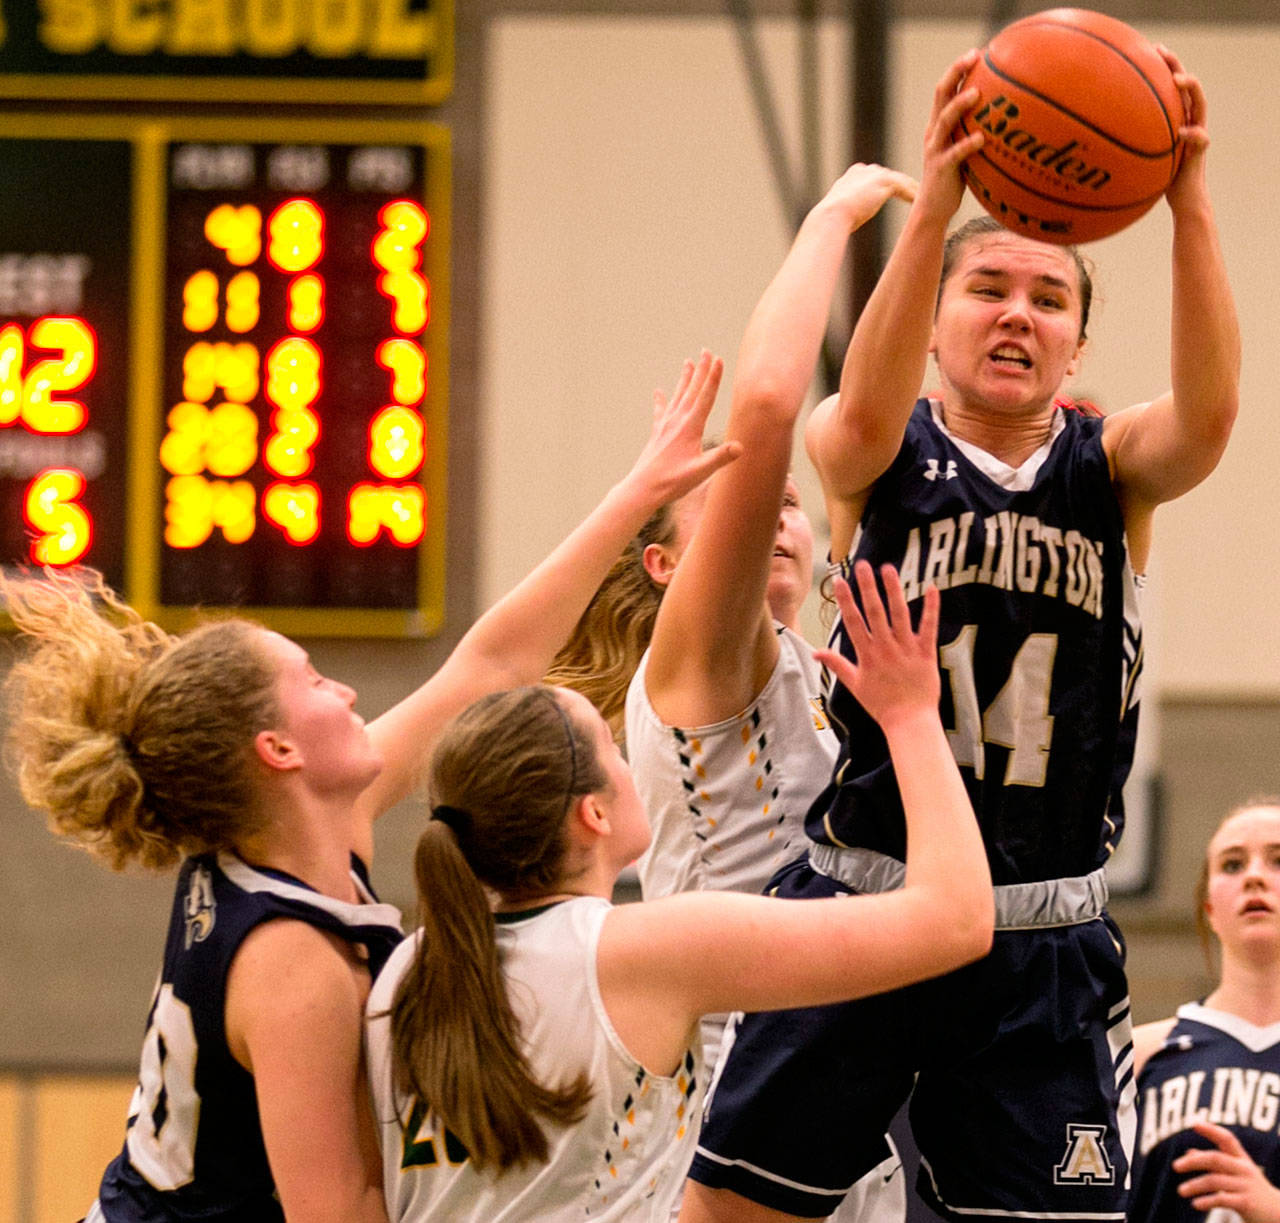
(626,1159)
(727,801)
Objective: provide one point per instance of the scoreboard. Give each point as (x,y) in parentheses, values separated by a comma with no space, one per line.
(223,363)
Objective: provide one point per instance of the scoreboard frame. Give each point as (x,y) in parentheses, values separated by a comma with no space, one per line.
(150,137)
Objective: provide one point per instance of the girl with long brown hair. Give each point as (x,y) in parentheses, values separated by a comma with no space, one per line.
(226,751)
(534,1051)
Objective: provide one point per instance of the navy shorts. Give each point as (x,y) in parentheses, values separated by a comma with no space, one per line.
(1018,1063)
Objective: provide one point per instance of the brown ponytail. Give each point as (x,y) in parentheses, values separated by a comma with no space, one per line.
(505,774)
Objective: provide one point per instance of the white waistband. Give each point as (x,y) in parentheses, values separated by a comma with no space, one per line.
(1047,902)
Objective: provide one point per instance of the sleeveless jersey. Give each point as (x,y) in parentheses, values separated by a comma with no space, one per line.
(1039,646)
(625,1160)
(727,801)
(1213,1066)
(194,1149)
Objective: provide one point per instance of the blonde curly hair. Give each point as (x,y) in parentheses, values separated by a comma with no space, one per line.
(136,744)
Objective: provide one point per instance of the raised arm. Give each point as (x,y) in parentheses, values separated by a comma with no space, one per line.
(713,645)
(1162,449)
(852,437)
(515,640)
(665,962)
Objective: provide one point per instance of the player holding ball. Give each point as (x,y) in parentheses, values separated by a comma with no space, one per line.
(1034,521)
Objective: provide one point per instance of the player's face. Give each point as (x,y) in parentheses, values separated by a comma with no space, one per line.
(1007,329)
(629,822)
(1243,904)
(319,719)
(791,573)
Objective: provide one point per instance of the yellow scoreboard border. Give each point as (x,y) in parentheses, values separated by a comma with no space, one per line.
(427,90)
(150,136)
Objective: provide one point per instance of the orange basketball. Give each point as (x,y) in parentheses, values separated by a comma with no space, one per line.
(1081,118)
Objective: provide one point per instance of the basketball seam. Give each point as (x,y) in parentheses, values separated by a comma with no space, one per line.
(1080,119)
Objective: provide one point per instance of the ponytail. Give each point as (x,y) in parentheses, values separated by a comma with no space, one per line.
(505,774)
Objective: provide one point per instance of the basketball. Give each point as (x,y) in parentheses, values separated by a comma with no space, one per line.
(1081,118)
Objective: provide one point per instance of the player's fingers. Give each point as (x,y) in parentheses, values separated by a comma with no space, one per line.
(854,625)
(705,388)
(896,600)
(958,70)
(927,632)
(839,666)
(682,384)
(872,608)
(710,461)
(1221,1137)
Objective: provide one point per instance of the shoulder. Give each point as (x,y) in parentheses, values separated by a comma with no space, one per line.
(289,978)
(1147,1038)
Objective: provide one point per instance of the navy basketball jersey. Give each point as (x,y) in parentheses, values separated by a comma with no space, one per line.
(1212,1067)
(194,1148)
(1038,642)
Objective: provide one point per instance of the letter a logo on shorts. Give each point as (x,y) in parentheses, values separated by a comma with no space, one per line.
(1085,1162)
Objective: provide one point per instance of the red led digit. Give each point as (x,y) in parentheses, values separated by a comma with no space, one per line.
(407,365)
(77,347)
(399,510)
(296,236)
(51,509)
(295,509)
(411,300)
(398,244)
(396,437)
(12,350)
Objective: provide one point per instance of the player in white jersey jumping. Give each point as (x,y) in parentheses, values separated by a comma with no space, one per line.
(545,1066)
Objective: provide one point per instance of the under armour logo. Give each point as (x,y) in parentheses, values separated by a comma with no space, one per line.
(1086,1161)
(934,471)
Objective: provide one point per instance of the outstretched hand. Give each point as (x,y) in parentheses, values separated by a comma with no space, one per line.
(896,671)
(1227,1177)
(673,460)
(864,188)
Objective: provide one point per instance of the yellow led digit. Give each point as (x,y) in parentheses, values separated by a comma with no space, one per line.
(194,506)
(64,529)
(296,236)
(242,302)
(400,510)
(407,364)
(12,349)
(73,339)
(306,302)
(396,437)
(232,444)
(237,231)
(233,367)
(182,450)
(200,301)
(295,509)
